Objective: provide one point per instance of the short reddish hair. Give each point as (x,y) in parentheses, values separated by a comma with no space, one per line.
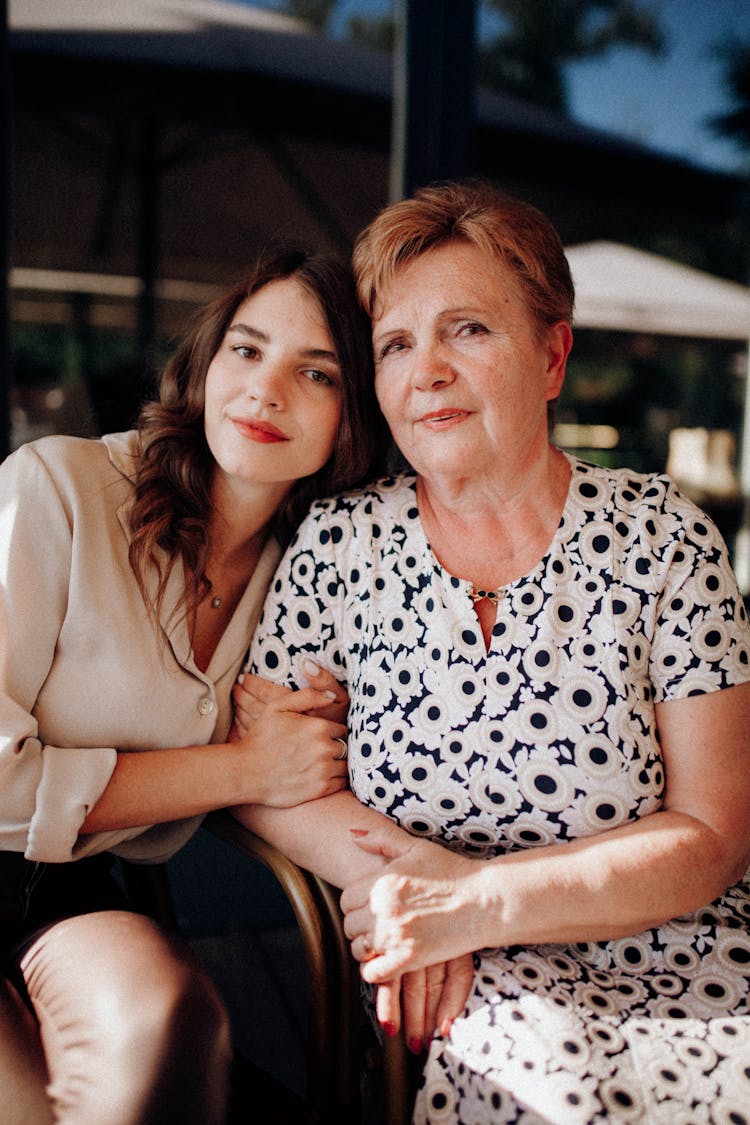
(506,228)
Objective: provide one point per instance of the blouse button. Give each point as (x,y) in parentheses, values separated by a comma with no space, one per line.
(206,705)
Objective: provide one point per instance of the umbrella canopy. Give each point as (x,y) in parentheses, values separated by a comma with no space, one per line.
(190,132)
(621,288)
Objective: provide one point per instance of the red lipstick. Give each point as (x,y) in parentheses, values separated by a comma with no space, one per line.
(263,432)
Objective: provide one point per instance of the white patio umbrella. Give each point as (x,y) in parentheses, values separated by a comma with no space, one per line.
(624,289)
(619,287)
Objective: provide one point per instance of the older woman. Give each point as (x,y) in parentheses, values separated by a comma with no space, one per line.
(548,664)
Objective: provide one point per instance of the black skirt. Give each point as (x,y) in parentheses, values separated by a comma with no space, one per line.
(33,896)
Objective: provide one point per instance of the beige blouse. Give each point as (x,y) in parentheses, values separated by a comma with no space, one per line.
(83,671)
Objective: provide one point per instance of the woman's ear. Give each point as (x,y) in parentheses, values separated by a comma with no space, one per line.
(559,343)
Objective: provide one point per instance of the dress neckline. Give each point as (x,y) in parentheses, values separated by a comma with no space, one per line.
(464,584)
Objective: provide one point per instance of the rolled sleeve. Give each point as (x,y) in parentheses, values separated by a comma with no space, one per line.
(46,787)
(72,781)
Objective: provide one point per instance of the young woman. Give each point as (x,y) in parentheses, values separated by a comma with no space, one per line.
(132,571)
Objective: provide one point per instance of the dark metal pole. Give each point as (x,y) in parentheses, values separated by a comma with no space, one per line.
(148,246)
(5,232)
(433,93)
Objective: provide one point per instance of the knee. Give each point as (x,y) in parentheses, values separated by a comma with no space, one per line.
(129,1019)
(163,1001)
(120,973)
(163,1053)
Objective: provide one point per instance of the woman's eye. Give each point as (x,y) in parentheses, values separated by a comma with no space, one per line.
(316,376)
(471,328)
(391,348)
(247,351)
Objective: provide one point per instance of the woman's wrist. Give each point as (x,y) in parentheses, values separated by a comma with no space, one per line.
(248,784)
(487,905)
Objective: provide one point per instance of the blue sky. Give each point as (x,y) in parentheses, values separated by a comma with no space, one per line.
(663,102)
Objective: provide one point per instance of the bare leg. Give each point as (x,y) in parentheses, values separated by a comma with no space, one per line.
(133,1031)
(23,1076)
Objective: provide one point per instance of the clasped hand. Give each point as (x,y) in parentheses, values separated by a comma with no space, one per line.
(410,924)
(417,911)
(292,738)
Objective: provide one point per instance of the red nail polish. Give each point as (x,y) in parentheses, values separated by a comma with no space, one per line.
(445,1028)
(389,1028)
(358,831)
(415,1046)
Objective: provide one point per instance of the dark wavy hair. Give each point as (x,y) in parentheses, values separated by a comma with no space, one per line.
(170,514)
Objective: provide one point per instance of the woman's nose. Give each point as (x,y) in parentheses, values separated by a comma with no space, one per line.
(432,368)
(267,385)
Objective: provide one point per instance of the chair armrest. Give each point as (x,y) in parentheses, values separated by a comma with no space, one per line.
(328,964)
(333,1055)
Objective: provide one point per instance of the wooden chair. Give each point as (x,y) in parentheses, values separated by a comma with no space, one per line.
(336,1029)
(332,1065)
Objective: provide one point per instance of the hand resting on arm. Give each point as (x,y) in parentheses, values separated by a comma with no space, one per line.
(318,836)
(159,785)
(430,904)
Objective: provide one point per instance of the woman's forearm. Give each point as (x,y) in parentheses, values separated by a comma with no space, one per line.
(653,869)
(605,886)
(154,786)
(430,905)
(317,835)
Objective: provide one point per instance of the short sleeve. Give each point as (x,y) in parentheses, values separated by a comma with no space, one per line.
(302,613)
(701,639)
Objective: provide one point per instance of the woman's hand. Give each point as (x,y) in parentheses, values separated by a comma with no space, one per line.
(251,694)
(291,754)
(421,910)
(425,1001)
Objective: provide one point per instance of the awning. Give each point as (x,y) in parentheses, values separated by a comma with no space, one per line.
(621,288)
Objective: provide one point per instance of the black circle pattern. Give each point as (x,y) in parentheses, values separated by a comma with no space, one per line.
(548,736)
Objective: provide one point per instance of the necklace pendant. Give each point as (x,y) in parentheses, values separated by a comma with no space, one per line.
(216,602)
(478,595)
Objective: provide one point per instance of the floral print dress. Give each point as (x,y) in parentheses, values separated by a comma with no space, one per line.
(546,736)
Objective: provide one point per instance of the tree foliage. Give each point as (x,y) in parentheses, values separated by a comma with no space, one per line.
(315,12)
(529,55)
(735,123)
(535,41)
(373,31)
